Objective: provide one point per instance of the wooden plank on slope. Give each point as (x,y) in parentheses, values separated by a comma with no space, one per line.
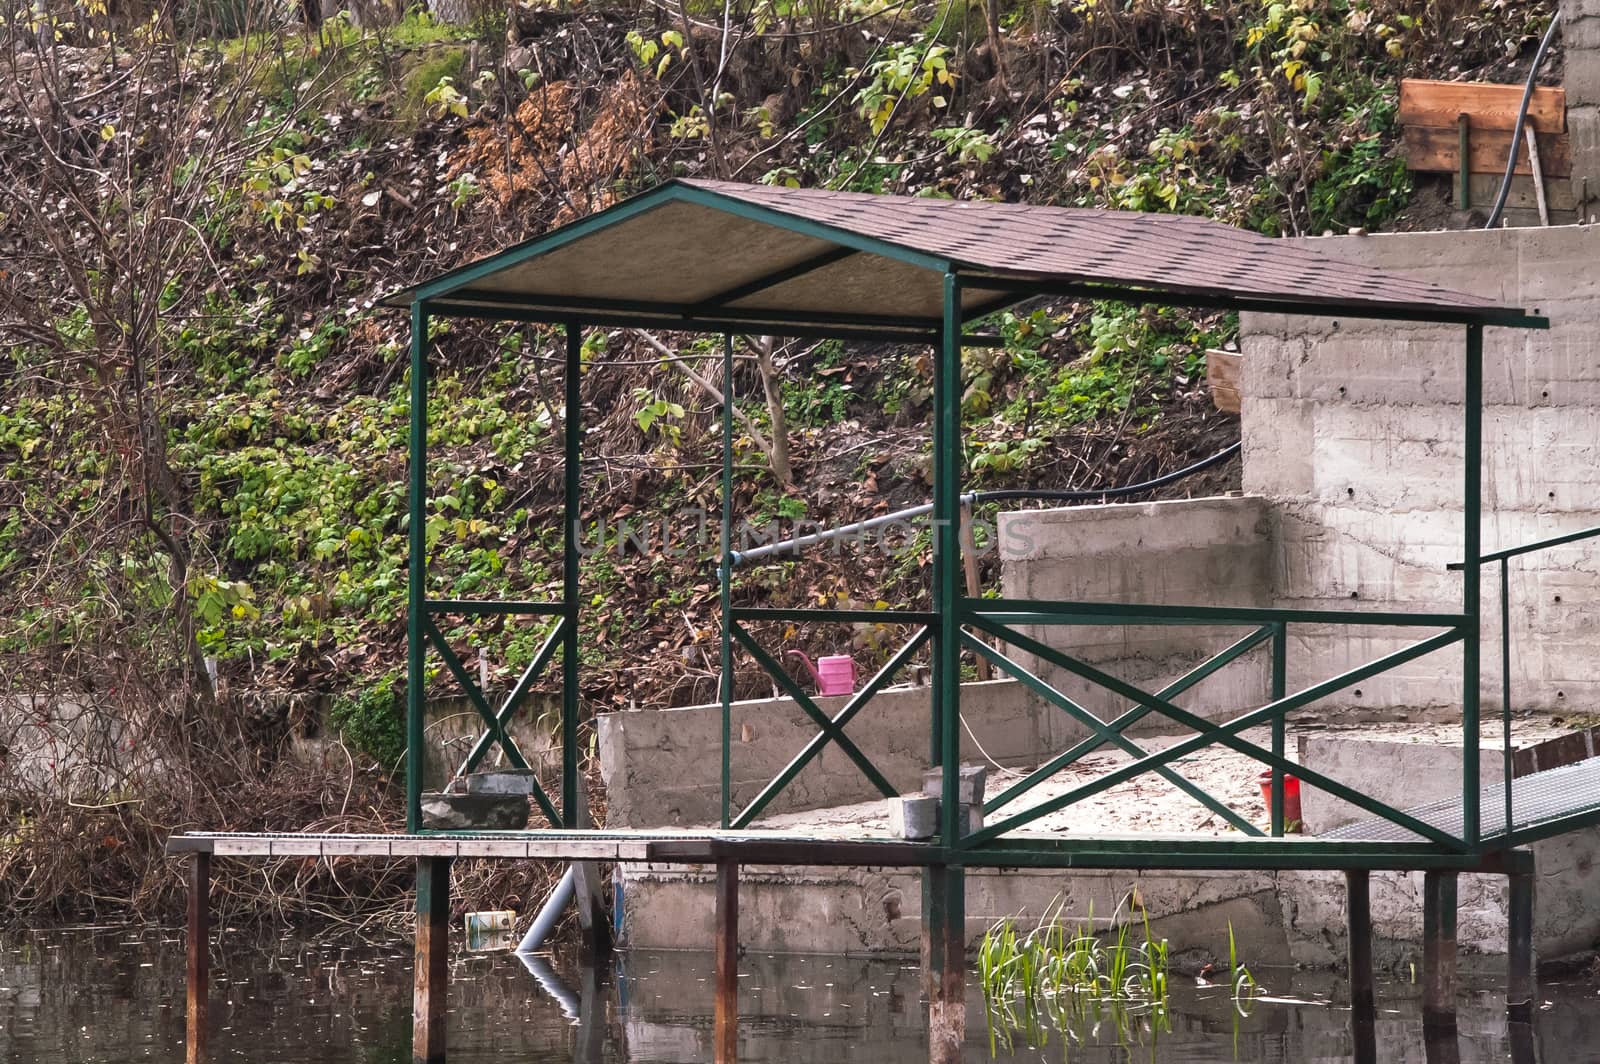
(1437,103)
(1436,150)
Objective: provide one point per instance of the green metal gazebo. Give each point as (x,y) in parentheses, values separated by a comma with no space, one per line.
(728,258)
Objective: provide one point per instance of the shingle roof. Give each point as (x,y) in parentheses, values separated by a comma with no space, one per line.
(708,253)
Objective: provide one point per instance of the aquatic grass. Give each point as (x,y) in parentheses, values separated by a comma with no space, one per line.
(1071,981)
(1239,977)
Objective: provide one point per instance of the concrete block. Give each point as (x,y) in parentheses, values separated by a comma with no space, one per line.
(969,784)
(914,816)
(1401,774)
(474,812)
(662,768)
(503,782)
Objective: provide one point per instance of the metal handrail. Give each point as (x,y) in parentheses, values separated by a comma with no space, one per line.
(1503,557)
(1529,548)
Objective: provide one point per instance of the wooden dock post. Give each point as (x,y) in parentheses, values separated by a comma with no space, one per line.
(1358,909)
(594,922)
(944,952)
(1520,987)
(199,975)
(726,1028)
(1439,949)
(1363,1037)
(432,972)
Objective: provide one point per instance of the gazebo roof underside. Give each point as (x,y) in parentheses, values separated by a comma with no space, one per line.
(753,258)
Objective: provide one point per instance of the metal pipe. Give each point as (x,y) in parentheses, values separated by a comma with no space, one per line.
(550,915)
(551,984)
(972,498)
(811,539)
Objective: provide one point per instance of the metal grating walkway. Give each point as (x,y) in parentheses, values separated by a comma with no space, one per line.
(1543,804)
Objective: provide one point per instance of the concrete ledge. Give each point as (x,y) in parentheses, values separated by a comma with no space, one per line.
(663,768)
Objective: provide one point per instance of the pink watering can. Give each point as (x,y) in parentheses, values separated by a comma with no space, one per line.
(835,674)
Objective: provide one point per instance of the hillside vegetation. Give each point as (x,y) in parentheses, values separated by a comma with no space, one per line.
(203,410)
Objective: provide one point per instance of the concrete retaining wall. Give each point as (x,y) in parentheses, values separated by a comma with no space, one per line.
(1354,429)
(1580,42)
(663,768)
(1277,917)
(1205,552)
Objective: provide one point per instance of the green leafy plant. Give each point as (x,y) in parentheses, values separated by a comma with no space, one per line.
(657,412)
(373,720)
(907,71)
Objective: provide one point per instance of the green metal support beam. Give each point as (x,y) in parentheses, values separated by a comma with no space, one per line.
(1041,611)
(947,455)
(485,608)
(725,583)
(417,566)
(1307,306)
(772,280)
(571,526)
(1472,548)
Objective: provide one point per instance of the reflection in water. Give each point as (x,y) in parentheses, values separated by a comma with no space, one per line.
(76,998)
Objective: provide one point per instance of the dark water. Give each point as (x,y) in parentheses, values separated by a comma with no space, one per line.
(86,998)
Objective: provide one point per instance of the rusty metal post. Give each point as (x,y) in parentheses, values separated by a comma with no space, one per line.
(726,1037)
(199,957)
(1358,909)
(1439,949)
(1519,948)
(944,951)
(432,972)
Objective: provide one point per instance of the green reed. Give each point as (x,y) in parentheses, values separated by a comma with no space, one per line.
(1082,985)
(1071,980)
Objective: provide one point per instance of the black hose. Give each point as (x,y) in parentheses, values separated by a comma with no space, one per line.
(1108,493)
(971,498)
(1522,117)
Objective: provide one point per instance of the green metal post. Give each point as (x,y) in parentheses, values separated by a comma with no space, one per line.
(1472,515)
(1505,687)
(725,580)
(947,560)
(1280,661)
(417,575)
(1464,161)
(573,516)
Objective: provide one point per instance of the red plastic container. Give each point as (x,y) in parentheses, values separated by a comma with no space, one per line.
(1291,799)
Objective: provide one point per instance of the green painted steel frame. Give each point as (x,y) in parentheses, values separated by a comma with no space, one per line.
(454,294)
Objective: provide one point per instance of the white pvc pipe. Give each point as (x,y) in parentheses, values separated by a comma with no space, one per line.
(550,915)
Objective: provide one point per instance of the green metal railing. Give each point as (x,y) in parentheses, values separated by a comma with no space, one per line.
(1502,559)
(995,618)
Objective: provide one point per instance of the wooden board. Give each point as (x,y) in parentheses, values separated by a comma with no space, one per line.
(1436,150)
(1223,370)
(1485,187)
(1436,104)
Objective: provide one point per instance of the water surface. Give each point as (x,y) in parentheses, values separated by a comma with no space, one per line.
(107,997)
